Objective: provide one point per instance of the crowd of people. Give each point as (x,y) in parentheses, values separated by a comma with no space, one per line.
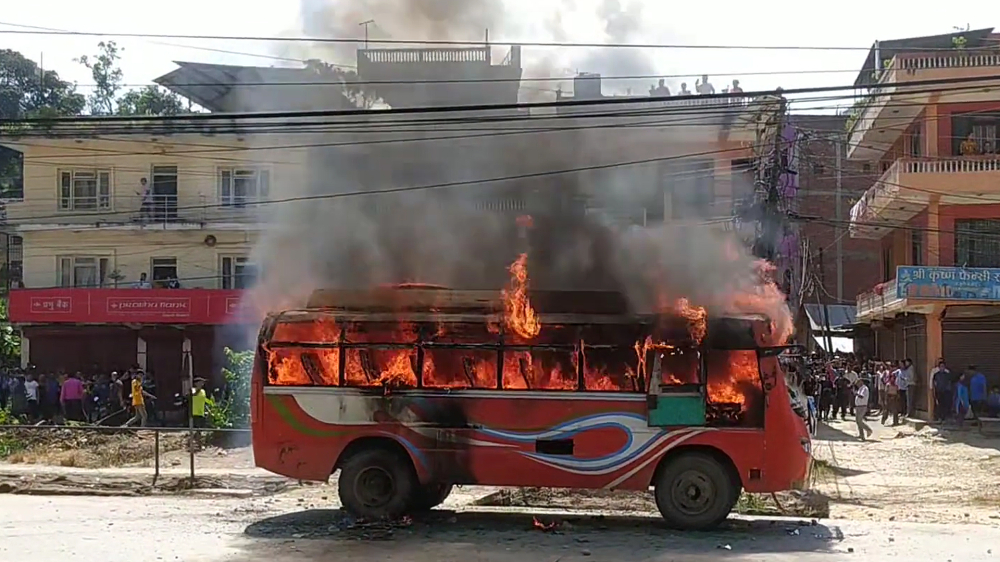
(845,386)
(90,398)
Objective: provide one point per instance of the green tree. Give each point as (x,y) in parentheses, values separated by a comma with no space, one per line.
(233,409)
(107,77)
(10,340)
(151,100)
(28,91)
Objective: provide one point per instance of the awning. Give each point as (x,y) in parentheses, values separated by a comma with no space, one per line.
(842,345)
(841,316)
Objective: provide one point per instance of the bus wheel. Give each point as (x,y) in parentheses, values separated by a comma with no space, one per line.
(376,484)
(695,492)
(430,496)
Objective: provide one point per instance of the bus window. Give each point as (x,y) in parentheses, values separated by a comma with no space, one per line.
(735,393)
(540,369)
(611,369)
(678,366)
(396,368)
(458,367)
(311,330)
(296,366)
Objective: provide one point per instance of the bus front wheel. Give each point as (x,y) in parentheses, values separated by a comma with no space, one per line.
(429,496)
(376,484)
(695,492)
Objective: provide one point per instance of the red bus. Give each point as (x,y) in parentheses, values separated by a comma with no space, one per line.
(410,391)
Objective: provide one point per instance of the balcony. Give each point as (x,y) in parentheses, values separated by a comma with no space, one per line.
(905,189)
(876,122)
(163,212)
(127,306)
(880,302)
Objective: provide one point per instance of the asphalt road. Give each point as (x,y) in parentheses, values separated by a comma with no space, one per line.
(89,529)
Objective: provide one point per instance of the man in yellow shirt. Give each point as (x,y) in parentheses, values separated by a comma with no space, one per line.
(139,401)
(198,401)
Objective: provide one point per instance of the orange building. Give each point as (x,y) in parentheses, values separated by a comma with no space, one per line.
(936,206)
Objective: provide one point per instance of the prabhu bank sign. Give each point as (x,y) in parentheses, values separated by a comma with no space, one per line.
(951,283)
(126,306)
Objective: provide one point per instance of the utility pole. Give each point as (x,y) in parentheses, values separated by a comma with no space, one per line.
(770,167)
(840,218)
(365,25)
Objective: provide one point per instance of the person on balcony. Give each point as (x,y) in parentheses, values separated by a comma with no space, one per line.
(703,87)
(145,200)
(142,283)
(660,90)
(969,146)
(736,88)
(684,90)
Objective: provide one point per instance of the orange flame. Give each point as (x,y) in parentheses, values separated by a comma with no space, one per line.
(518,314)
(697,318)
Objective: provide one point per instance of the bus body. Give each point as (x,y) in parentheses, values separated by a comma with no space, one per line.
(440,402)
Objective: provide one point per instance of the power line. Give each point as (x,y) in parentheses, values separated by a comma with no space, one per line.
(440,42)
(336,82)
(735,100)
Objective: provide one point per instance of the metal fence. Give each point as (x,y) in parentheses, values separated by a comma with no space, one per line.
(192,437)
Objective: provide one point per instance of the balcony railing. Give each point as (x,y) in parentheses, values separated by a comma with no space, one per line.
(878,301)
(911,65)
(136,209)
(893,182)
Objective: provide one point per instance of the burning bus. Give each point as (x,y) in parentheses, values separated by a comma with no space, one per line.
(412,389)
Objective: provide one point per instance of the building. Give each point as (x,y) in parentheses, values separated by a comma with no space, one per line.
(932,209)
(87,238)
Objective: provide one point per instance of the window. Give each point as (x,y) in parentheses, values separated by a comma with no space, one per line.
(164,191)
(916,247)
(982,126)
(977,243)
(239,186)
(80,271)
(163,270)
(237,272)
(15,263)
(916,142)
(888,265)
(84,190)
(691,185)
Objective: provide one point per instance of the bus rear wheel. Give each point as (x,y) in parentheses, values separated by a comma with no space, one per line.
(376,484)
(695,492)
(429,496)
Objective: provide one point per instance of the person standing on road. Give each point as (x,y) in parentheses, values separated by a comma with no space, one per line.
(891,396)
(31,394)
(852,377)
(861,396)
(911,388)
(198,401)
(71,398)
(977,391)
(941,380)
(903,382)
(961,399)
(138,401)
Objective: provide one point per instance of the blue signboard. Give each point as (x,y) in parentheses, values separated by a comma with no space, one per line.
(955,283)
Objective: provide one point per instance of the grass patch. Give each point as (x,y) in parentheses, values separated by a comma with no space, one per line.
(101,448)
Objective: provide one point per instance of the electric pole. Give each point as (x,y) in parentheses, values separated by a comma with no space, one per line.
(771,164)
(365,25)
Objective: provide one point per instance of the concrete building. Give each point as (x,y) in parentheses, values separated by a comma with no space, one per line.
(933,209)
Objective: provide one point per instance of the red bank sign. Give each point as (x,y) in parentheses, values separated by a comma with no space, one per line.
(122,306)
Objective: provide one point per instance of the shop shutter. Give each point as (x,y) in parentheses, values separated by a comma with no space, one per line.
(973,342)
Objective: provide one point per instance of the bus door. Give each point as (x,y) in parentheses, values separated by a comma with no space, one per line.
(676,392)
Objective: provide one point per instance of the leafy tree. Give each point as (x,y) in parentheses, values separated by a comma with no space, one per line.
(233,409)
(107,77)
(358,94)
(10,340)
(151,100)
(28,91)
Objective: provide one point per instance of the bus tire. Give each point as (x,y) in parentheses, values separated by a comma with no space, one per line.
(695,492)
(375,484)
(429,496)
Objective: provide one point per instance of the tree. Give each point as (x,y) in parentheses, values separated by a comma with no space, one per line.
(28,91)
(355,92)
(10,340)
(107,77)
(151,100)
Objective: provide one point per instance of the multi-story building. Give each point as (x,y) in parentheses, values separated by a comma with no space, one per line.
(933,209)
(87,237)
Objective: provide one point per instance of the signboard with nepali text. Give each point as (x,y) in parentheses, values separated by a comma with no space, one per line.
(127,306)
(953,283)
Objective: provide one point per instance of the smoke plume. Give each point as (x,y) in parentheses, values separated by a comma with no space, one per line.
(589,228)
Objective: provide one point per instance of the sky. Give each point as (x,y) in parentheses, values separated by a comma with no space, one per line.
(848,23)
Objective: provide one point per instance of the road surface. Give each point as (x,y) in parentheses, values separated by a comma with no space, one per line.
(140,529)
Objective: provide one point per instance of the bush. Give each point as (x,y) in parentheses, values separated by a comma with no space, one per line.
(232,410)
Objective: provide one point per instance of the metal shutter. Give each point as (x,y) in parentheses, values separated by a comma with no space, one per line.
(974,341)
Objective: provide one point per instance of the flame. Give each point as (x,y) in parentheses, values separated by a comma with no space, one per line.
(764,297)
(697,318)
(518,314)
(741,376)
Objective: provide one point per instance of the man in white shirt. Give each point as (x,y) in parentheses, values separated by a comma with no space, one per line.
(861,408)
(31,395)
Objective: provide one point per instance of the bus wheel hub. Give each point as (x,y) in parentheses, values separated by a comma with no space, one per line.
(693,492)
(374,486)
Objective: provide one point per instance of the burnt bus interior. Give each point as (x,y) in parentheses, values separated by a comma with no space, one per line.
(428,338)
